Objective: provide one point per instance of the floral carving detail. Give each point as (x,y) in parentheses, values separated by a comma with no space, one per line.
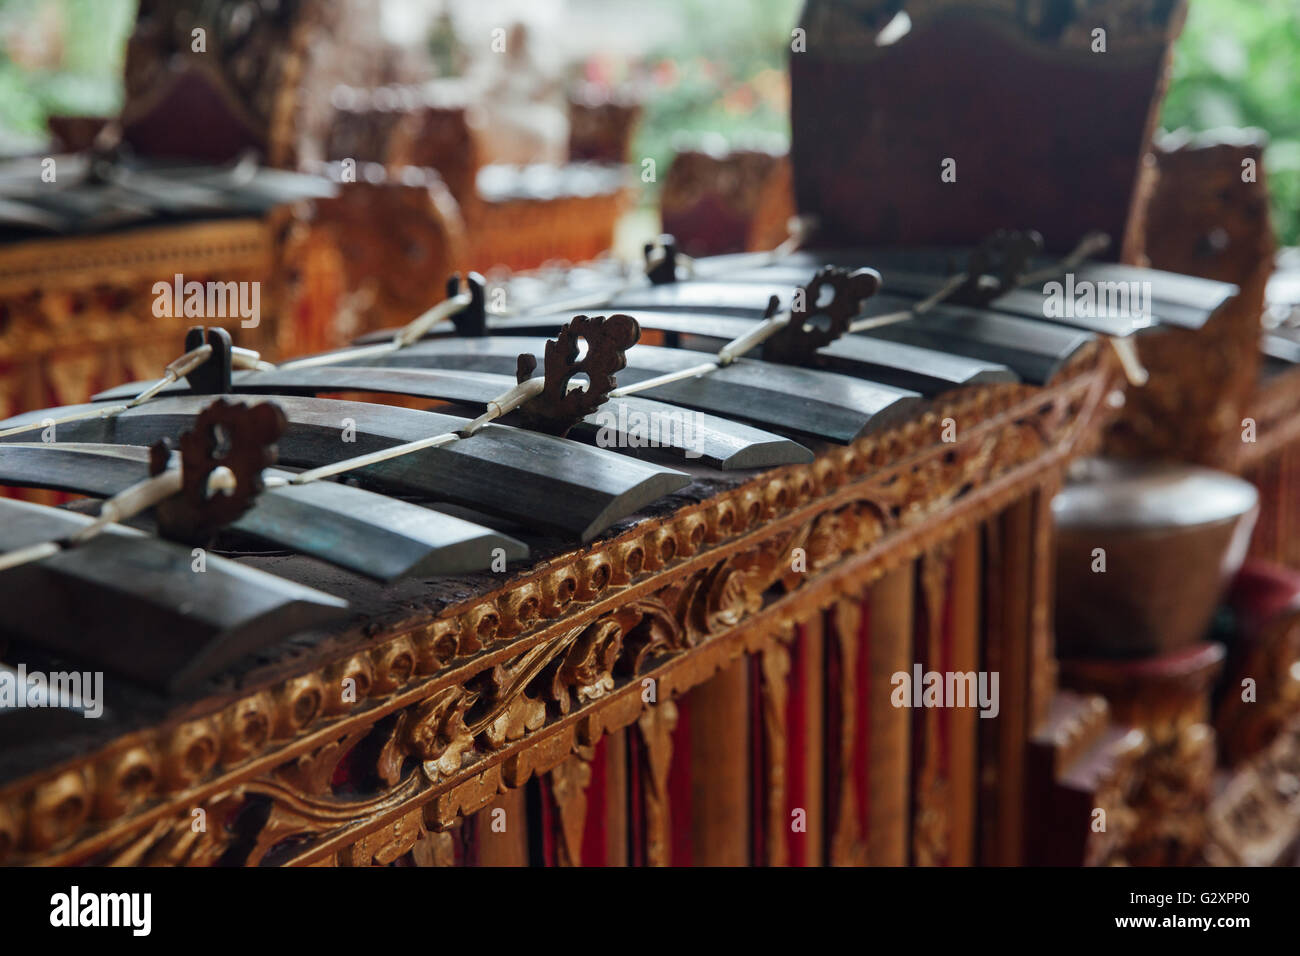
(504,711)
(182,840)
(587,667)
(230,435)
(651,630)
(434,730)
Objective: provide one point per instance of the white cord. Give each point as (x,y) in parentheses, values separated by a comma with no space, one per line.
(122,506)
(407,335)
(497,407)
(733,350)
(925,305)
(175,371)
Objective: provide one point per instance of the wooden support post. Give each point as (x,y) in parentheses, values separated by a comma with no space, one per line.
(1007,637)
(845,734)
(616,796)
(890,732)
(656,725)
(720,769)
(963,737)
(1042,642)
(808,750)
(932,797)
(502,837)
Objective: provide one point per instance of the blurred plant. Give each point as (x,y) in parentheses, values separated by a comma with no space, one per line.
(721,78)
(56,57)
(1238,64)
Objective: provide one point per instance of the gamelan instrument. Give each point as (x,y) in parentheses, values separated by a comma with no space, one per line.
(635,561)
(721,561)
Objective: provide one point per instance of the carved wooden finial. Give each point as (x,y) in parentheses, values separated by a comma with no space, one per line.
(212,377)
(558,407)
(818,324)
(997,265)
(471,321)
(661,260)
(237,438)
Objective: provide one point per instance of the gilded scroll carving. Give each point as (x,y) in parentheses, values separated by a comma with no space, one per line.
(585,672)
(774,662)
(930,838)
(569,783)
(656,725)
(504,710)
(435,731)
(651,630)
(184,840)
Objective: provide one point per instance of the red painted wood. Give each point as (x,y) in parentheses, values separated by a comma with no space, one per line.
(862,743)
(595,848)
(679,786)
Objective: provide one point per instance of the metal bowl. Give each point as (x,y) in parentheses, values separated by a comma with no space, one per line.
(1169,537)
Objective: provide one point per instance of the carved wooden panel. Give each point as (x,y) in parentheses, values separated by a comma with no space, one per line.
(1086,118)
(375,256)
(890,740)
(732,203)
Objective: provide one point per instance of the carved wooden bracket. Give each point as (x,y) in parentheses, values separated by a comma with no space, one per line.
(569,783)
(996,266)
(817,323)
(558,407)
(240,438)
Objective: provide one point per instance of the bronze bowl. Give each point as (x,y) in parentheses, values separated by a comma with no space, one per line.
(1171,538)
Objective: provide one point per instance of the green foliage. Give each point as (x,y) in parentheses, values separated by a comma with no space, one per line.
(723,76)
(1238,64)
(57,57)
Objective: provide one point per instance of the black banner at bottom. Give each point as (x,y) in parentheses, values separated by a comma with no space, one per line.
(378,907)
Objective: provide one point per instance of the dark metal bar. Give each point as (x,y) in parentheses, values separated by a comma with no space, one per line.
(929,372)
(545,483)
(371,534)
(626,424)
(136,606)
(820,404)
